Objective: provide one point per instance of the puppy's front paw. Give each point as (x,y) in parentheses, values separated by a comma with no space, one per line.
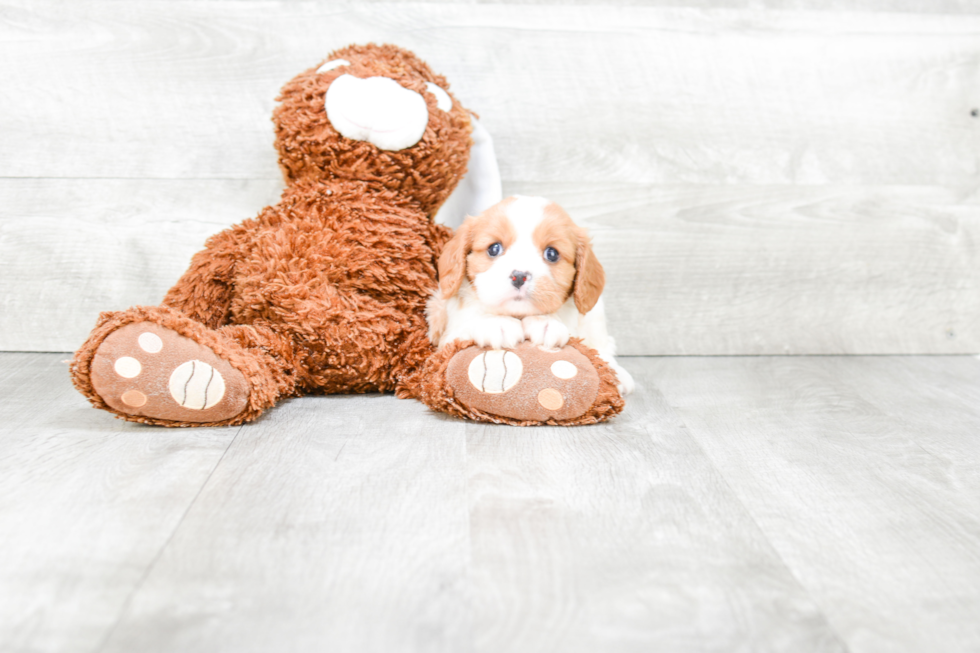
(545,331)
(498,332)
(626,384)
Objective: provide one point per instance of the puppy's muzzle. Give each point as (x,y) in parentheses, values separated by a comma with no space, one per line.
(518,278)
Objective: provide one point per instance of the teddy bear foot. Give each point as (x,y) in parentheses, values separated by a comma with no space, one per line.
(528,385)
(146,370)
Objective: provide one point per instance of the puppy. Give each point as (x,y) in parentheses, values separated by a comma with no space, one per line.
(522,270)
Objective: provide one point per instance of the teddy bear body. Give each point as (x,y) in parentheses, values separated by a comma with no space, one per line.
(334,277)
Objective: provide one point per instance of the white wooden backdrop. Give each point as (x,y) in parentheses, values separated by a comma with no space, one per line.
(760,177)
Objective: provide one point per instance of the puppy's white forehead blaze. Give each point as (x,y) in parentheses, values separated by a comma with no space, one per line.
(526,213)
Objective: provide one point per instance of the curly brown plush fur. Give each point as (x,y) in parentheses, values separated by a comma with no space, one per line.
(310,148)
(325,291)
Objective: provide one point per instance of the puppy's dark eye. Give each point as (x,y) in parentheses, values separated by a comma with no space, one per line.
(551,254)
(495,250)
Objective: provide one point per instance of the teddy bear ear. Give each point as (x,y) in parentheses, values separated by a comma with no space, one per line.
(330,65)
(480,188)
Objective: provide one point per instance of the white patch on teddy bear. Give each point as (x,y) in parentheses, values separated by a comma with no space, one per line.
(330,65)
(378,110)
(443,101)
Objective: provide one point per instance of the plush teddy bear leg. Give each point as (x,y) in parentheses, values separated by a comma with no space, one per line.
(157,366)
(204,292)
(523,386)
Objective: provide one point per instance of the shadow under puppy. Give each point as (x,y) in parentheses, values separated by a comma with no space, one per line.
(522,270)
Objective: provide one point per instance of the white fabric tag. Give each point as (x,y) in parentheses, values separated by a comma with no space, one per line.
(480,188)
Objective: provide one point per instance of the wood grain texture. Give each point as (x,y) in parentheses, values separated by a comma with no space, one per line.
(786,269)
(869,503)
(72,248)
(910,390)
(580,93)
(334,523)
(622,537)
(756,504)
(87,503)
(691,269)
(762,178)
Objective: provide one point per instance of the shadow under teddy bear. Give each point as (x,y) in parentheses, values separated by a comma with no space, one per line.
(325,292)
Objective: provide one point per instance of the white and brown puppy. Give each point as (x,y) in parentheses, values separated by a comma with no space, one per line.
(522,269)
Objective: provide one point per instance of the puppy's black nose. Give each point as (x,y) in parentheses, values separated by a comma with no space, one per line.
(518,278)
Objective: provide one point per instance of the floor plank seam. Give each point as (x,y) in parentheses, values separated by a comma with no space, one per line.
(775,552)
(470,594)
(156,558)
(75,177)
(37,372)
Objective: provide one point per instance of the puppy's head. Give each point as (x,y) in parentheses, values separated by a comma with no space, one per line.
(523,256)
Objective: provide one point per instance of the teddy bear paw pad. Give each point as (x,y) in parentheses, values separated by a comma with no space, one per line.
(147,370)
(527,383)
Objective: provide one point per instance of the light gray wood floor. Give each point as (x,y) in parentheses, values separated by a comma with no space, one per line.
(739,504)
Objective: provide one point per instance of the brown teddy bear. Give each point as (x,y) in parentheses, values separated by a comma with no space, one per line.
(325,292)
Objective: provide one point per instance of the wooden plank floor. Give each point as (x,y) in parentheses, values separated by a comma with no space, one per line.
(741,503)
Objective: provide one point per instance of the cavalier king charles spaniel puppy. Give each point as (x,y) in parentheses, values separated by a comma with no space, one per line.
(522,270)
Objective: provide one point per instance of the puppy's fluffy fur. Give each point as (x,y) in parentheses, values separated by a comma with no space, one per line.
(522,270)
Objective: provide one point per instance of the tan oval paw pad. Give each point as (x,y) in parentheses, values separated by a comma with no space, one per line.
(196,385)
(495,371)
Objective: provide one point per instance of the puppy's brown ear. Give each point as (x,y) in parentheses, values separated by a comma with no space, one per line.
(452,261)
(590,278)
